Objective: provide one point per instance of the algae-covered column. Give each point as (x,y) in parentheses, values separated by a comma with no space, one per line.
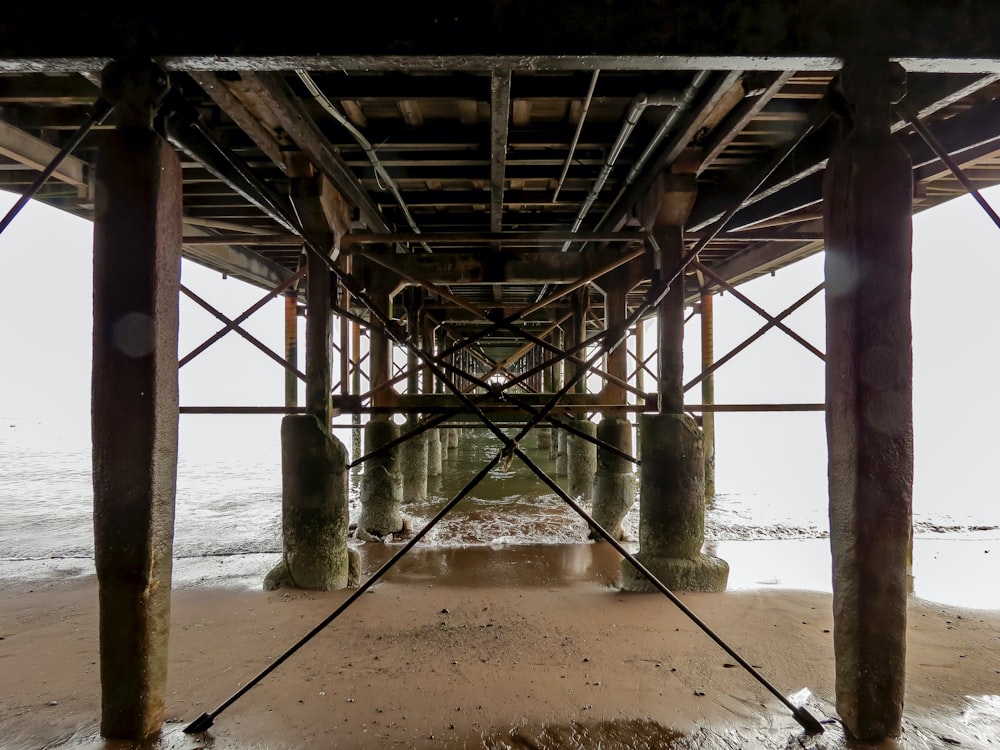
(382,483)
(867,198)
(672,494)
(614,483)
(314,475)
(137,245)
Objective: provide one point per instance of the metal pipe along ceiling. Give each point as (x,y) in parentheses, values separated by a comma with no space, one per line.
(366,146)
(639,104)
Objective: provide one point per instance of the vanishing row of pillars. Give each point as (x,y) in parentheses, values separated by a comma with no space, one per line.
(137,240)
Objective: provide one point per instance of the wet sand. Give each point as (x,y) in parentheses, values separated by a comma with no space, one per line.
(527,647)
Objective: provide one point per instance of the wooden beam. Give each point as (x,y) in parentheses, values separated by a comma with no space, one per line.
(500,108)
(35,153)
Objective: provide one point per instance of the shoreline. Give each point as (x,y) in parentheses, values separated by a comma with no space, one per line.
(486,651)
(942,565)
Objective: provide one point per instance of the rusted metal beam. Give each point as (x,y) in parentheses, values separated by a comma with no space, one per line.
(232,325)
(554,237)
(753,337)
(757,308)
(946,159)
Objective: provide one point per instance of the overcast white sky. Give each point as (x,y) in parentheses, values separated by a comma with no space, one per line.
(46,330)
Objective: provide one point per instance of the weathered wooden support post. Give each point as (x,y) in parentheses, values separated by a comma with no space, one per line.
(356,389)
(413,453)
(314,475)
(672,486)
(708,392)
(556,339)
(614,482)
(867,202)
(544,435)
(434,435)
(137,245)
(382,483)
(291,348)
(581,455)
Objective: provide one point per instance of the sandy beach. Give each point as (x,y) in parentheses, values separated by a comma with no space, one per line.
(485,648)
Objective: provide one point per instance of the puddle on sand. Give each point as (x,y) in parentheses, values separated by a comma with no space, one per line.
(626,734)
(506,566)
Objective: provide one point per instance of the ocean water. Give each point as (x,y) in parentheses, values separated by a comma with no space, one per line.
(769,519)
(228,515)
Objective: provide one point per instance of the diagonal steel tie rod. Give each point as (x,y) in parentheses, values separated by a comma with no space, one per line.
(511,448)
(203,722)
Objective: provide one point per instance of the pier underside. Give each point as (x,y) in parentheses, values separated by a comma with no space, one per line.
(477,210)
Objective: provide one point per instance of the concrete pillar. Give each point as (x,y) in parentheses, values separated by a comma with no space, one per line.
(672,509)
(543,438)
(413,465)
(314,515)
(614,483)
(434,452)
(137,244)
(381,484)
(672,486)
(562,456)
(708,393)
(413,453)
(867,208)
(581,461)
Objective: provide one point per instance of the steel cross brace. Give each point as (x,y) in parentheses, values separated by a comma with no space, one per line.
(205,721)
(757,308)
(230,326)
(249,337)
(491,391)
(753,337)
(801,715)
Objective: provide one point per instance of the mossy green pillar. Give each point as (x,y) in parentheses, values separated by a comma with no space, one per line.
(434,452)
(314,515)
(614,481)
(381,484)
(581,461)
(413,466)
(137,245)
(561,453)
(672,509)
